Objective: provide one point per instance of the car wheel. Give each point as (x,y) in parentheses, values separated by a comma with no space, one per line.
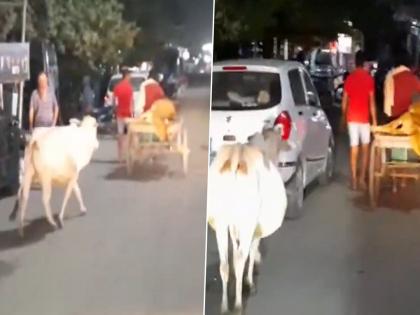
(328,173)
(15,175)
(296,193)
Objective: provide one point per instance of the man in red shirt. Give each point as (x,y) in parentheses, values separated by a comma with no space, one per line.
(150,92)
(123,94)
(358,109)
(401,86)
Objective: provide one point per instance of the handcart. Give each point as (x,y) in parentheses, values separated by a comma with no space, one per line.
(143,144)
(383,165)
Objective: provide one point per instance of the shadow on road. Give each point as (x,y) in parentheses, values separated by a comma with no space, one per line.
(143,173)
(405,200)
(214,284)
(35,231)
(97,161)
(6,269)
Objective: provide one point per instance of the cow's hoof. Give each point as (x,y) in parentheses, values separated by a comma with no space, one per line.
(237,310)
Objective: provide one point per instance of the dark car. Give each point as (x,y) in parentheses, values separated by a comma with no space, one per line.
(11,146)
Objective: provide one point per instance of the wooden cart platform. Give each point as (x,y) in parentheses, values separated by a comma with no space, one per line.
(143,143)
(382,166)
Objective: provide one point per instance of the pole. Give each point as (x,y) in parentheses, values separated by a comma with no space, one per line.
(286,49)
(25,6)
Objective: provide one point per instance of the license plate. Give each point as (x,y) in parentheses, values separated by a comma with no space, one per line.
(229,138)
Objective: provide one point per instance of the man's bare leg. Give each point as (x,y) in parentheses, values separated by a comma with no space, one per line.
(354,154)
(365,161)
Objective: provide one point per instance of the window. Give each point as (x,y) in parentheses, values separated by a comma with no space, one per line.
(296,86)
(310,89)
(246,90)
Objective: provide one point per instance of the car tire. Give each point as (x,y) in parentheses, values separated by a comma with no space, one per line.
(328,174)
(295,194)
(14,178)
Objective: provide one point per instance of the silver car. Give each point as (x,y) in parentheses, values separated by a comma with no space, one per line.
(250,95)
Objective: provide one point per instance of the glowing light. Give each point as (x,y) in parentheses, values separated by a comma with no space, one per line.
(208,47)
(186,55)
(207,59)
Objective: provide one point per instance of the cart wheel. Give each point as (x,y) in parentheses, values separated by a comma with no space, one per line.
(185,151)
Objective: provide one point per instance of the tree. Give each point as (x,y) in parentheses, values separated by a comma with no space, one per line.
(93,30)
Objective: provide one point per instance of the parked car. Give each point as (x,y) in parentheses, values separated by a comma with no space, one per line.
(325,75)
(12,142)
(136,79)
(239,110)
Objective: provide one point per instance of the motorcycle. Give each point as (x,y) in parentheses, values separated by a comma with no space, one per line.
(105,117)
(173,86)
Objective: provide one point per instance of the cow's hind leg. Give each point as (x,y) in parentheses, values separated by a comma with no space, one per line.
(223,248)
(240,255)
(23,196)
(46,183)
(67,194)
(254,256)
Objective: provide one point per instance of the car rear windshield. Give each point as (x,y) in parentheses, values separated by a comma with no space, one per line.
(135,82)
(245,90)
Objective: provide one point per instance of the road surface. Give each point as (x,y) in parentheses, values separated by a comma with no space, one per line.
(139,250)
(340,258)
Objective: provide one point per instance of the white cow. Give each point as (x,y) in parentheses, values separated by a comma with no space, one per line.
(54,157)
(246,200)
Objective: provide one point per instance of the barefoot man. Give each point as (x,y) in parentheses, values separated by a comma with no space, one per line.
(123,94)
(359,109)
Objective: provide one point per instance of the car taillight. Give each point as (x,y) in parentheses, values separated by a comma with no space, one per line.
(285,122)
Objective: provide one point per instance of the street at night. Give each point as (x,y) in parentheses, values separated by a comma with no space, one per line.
(139,250)
(340,257)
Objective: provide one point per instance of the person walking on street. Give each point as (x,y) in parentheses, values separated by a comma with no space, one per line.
(358,110)
(154,101)
(87,97)
(43,108)
(123,94)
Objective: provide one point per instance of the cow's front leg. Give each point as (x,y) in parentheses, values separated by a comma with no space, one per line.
(69,189)
(79,197)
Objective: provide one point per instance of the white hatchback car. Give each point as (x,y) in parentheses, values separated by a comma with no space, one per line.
(250,95)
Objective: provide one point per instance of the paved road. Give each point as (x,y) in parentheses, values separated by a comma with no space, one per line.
(340,258)
(139,251)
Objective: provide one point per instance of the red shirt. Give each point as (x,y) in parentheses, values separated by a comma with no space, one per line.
(406,85)
(123,92)
(358,86)
(153,93)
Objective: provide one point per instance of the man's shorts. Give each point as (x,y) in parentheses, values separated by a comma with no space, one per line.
(121,126)
(359,133)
